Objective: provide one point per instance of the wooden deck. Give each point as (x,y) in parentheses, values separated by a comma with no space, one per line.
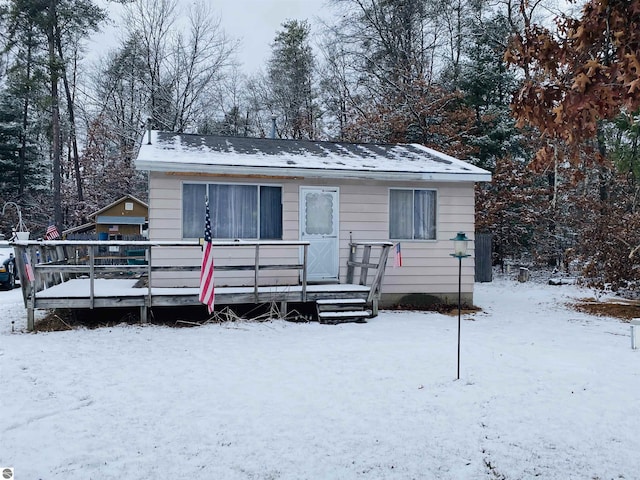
(75,293)
(70,274)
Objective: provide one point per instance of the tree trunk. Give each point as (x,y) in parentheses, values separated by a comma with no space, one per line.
(72,119)
(25,124)
(55,116)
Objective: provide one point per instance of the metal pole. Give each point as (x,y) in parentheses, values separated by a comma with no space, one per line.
(459,308)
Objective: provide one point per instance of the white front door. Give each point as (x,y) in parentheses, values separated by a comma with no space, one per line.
(319,226)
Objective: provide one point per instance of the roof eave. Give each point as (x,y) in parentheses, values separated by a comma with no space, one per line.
(476,175)
(113,204)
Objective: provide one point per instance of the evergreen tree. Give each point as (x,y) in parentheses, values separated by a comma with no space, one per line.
(488,85)
(14,148)
(291,95)
(43,29)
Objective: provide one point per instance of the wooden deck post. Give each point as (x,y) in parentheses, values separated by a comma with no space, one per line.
(61,256)
(353,248)
(144,310)
(305,253)
(92,275)
(256,274)
(364,269)
(31,317)
(149,270)
(376,285)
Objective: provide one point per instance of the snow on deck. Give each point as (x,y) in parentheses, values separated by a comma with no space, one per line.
(106,288)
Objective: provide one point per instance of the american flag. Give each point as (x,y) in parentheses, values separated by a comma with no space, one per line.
(52,233)
(27,267)
(397,258)
(207,294)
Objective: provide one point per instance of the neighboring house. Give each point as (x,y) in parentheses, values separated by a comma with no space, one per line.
(126,217)
(323,192)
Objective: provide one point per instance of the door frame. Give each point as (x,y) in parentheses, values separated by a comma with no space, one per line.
(334,275)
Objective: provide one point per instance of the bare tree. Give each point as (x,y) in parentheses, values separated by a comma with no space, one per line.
(200,60)
(151,21)
(185,58)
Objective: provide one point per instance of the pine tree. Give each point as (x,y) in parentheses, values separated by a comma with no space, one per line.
(290,85)
(43,29)
(488,85)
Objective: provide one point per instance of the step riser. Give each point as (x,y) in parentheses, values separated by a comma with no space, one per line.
(338,322)
(343,310)
(339,308)
(344,317)
(341,301)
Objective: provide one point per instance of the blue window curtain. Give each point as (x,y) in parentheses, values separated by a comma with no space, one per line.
(271,213)
(237,211)
(412,214)
(193,209)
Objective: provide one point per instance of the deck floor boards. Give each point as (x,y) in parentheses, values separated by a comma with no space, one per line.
(75,293)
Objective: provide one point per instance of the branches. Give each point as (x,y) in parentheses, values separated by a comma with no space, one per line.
(586,71)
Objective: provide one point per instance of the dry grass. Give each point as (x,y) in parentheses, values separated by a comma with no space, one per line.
(621,308)
(68,319)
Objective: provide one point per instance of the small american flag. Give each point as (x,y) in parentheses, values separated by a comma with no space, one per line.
(207,293)
(397,258)
(52,233)
(28,268)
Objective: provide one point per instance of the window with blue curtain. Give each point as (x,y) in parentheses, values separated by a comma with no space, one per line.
(412,214)
(236,211)
(193,209)
(270,213)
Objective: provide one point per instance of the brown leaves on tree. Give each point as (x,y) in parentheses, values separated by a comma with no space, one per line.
(418,112)
(586,71)
(515,208)
(609,241)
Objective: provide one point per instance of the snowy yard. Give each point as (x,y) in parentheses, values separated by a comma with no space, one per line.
(546,392)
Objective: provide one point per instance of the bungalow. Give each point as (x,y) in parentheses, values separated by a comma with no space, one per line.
(125,217)
(326,193)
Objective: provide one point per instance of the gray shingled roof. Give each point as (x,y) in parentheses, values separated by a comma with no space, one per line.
(216,154)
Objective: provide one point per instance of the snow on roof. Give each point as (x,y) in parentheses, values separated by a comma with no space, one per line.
(187,153)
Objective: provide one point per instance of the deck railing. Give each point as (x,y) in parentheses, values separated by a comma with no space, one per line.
(363,262)
(43,264)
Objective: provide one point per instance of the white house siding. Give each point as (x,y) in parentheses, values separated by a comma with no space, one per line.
(427,268)
(165,223)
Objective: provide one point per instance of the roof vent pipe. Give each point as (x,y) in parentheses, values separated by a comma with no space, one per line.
(273,126)
(148,131)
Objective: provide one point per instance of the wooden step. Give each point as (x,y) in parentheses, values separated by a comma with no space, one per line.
(341,301)
(335,317)
(341,310)
(340,304)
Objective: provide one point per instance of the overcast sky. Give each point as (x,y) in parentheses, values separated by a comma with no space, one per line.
(253,22)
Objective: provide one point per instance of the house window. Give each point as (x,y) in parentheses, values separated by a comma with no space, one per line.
(412,214)
(236,211)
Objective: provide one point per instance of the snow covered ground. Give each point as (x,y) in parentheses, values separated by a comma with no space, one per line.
(545,392)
